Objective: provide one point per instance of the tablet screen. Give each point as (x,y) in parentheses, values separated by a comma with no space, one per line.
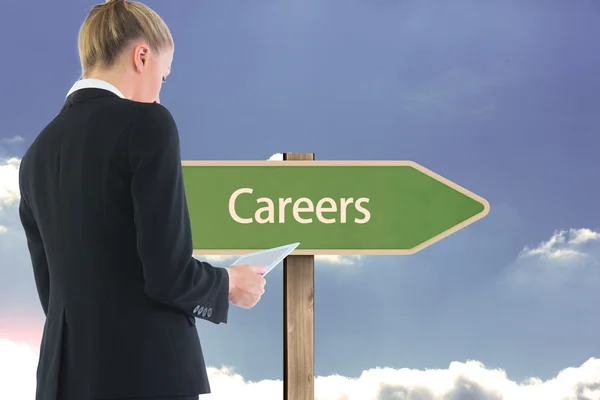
(269,258)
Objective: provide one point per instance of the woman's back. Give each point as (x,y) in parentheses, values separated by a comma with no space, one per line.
(77,180)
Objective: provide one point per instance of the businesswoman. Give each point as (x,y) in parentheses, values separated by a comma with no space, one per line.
(105,215)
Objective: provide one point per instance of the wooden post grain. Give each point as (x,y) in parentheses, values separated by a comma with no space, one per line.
(298,319)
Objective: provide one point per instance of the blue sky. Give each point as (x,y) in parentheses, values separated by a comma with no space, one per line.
(499,97)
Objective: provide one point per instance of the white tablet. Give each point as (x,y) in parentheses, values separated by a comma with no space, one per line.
(268,258)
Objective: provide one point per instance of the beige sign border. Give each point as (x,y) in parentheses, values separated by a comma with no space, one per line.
(348,163)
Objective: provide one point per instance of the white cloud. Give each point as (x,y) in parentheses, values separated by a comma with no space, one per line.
(321,259)
(18,297)
(18,364)
(12,140)
(276,157)
(563,244)
(571,255)
(461,380)
(338,260)
(9,181)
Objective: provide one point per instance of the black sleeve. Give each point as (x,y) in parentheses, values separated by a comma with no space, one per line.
(164,238)
(37,253)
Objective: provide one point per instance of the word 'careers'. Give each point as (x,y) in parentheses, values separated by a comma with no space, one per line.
(303,209)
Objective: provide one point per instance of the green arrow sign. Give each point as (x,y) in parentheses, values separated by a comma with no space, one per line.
(330,207)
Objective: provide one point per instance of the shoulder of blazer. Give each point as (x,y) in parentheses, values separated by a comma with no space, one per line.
(153,119)
(151,130)
(152,115)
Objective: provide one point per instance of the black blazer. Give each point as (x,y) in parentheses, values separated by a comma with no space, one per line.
(107,225)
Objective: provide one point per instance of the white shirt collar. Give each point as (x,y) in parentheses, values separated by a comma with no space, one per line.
(94,84)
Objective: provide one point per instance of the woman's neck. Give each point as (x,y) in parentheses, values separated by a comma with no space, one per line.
(118,79)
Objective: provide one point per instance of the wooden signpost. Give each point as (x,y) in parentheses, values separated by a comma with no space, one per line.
(330,207)
(299,319)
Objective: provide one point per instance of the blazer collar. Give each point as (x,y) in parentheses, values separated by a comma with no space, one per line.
(94,84)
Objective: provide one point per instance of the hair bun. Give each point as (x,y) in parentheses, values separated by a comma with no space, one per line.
(115,1)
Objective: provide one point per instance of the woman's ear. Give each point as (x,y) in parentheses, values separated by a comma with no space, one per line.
(140,57)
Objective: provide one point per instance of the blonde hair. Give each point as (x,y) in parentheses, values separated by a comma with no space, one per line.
(111,26)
